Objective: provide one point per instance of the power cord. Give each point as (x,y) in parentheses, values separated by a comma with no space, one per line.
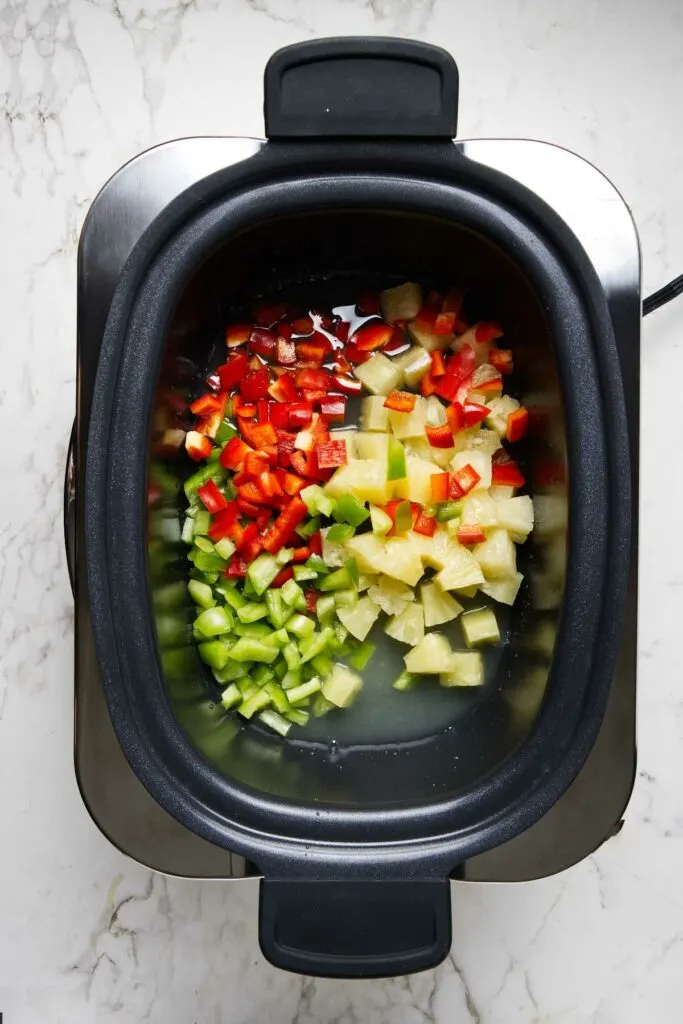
(664,295)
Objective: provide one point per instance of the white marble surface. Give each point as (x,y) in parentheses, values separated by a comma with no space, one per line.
(86,935)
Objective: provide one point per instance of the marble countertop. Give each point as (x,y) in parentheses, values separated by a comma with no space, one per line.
(87,935)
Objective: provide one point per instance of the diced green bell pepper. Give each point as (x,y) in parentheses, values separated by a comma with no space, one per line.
(325,607)
(321,705)
(318,565)
(340,532)
(209,471)
(214,653)
(346,598)
(251,612)
(403,517)
(231,696)
(276,638)
(322,664)
(291,679)
(309,527)
(361,656)
(396,459)
(230,594)
(348,509)
(302,573)
(225,548)
(340,579)
(250,649)
(300,625)
(406,681)
(315,644)
(207,561)
(279,699)
(446,510)
(255,630)
(201,594)
(202,522)
(275,722)
(304,691)
(213,621)
(297,717)
(292,594)
(262,572)
(257,702)
(231,671)
(225,432)
(204,544)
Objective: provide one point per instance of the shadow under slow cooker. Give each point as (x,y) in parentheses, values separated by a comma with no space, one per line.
(391,748)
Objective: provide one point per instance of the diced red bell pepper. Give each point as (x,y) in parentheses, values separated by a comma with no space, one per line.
(342,330)
(262,518)
(263,410)
(237,568)
(254,465)
(440,437)
(258,435)
(355,355)
(223,522)
(285,330)
(207,404)
(285,448)
(248,509)
(312,351)
(300,415)
(301,554)
(454,415)
(439,486)
(315,543)
(250,491)
(306,464)
(237,334)
(262,341)
(252,549)
(197,445)
(428,385)
(444,323)
(234,453)
(255,385)
(397,341)
(459,368)
(283,389)
(231,373)
(349,385)
(289,482)
(371,336)
(302,325)
(438,364)
(314,395)
(279,416)
(311,597)
(505,472)
(486,331)
(462,481)
(333,408)
(282,577)
(249,535)
(517,425)
(471,534)
(267,314)
(473,413)
(313,379)
(285,524)
(368,303)
(269,485)
(211,497)
(285,352)
(501,358)
(240,408)
(425,318)
(331,454)
(400,401)
(426,525)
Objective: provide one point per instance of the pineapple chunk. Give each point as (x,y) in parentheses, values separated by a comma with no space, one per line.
(480,463)
(480,627)
(371,445)
(366,479)
(428,340)
(468,591)
(467,670)
(499,492)
(367,550)
(438,606)
(380,521)
(334,555)
(341,686)
(462,570)
(434,551)
(499,410)
(503,591)
(360,619)
(516,515)
(416,485)
(432,655)
(409,424)
(391,596)
(436,411)
(379,376)
(403,302)
(496,556)
(477,439)
(408,626)
(402,561)
(413,365)
(365,581)
(479,509)
(374,414)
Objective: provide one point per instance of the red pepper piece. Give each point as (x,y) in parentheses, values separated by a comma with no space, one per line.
(279,416)
(300,415)
(459,368)
(255,385)
(285,574)
(313,379)
(312,351)
(314,395)
(285,330)
(315,543)
(247,410)
(486,331)
(262,341)
(263,410)
(439,486)
(301,554)
(454,415)
(462,481)
(396,342)
(400,401)
(331,454)
(371,336)
(251,492)
(311,600)
(501,359)
(267,314)
(368,303)
(284,525)
(306,464)
(285,352)
(237,334)
(428,385)
(223,522)
(211,497)
(207,404)
(472,534)
(234,453)
(262,518)
(210,424)
(289,482)
(472,413)
(237,568)
(333,408)
(349,385)
(258,435)
(231,373)
(438,364)
(269,485)
(440,437)
(285,448)
(247,509)
(355,355)
(252,548)
(517,425)
(505,471)
(342,330)
(254,465)
(283,390)
(444,323)
(302,325)
(426,525)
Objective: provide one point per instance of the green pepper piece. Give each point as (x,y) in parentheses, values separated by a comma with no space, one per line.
(251,612)
(202,522)
(403,517)
(257,702)
(297,717)
(361,656)
(231,696)
(340,532)
(318,565)
(262,572)
(231,671)
(309,527)
(300,625)
(292,594)
(278,698)
(406,681)
(340,579)
(215,654)
(302,573)
(275,722)
(446,510)
(291,679)
(250,649)
(213,621)
(348,509)
(396,459)
(315,644)
(225,432)
(303,692)
(225,548)
(201,594)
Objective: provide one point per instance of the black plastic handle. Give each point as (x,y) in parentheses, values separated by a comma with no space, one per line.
(70,507)
(361,86)
(355,929)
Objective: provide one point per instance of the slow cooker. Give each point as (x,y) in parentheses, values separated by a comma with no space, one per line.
(359,181)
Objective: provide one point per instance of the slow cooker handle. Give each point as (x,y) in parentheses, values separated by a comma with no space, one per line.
(361,86)
(354,929)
